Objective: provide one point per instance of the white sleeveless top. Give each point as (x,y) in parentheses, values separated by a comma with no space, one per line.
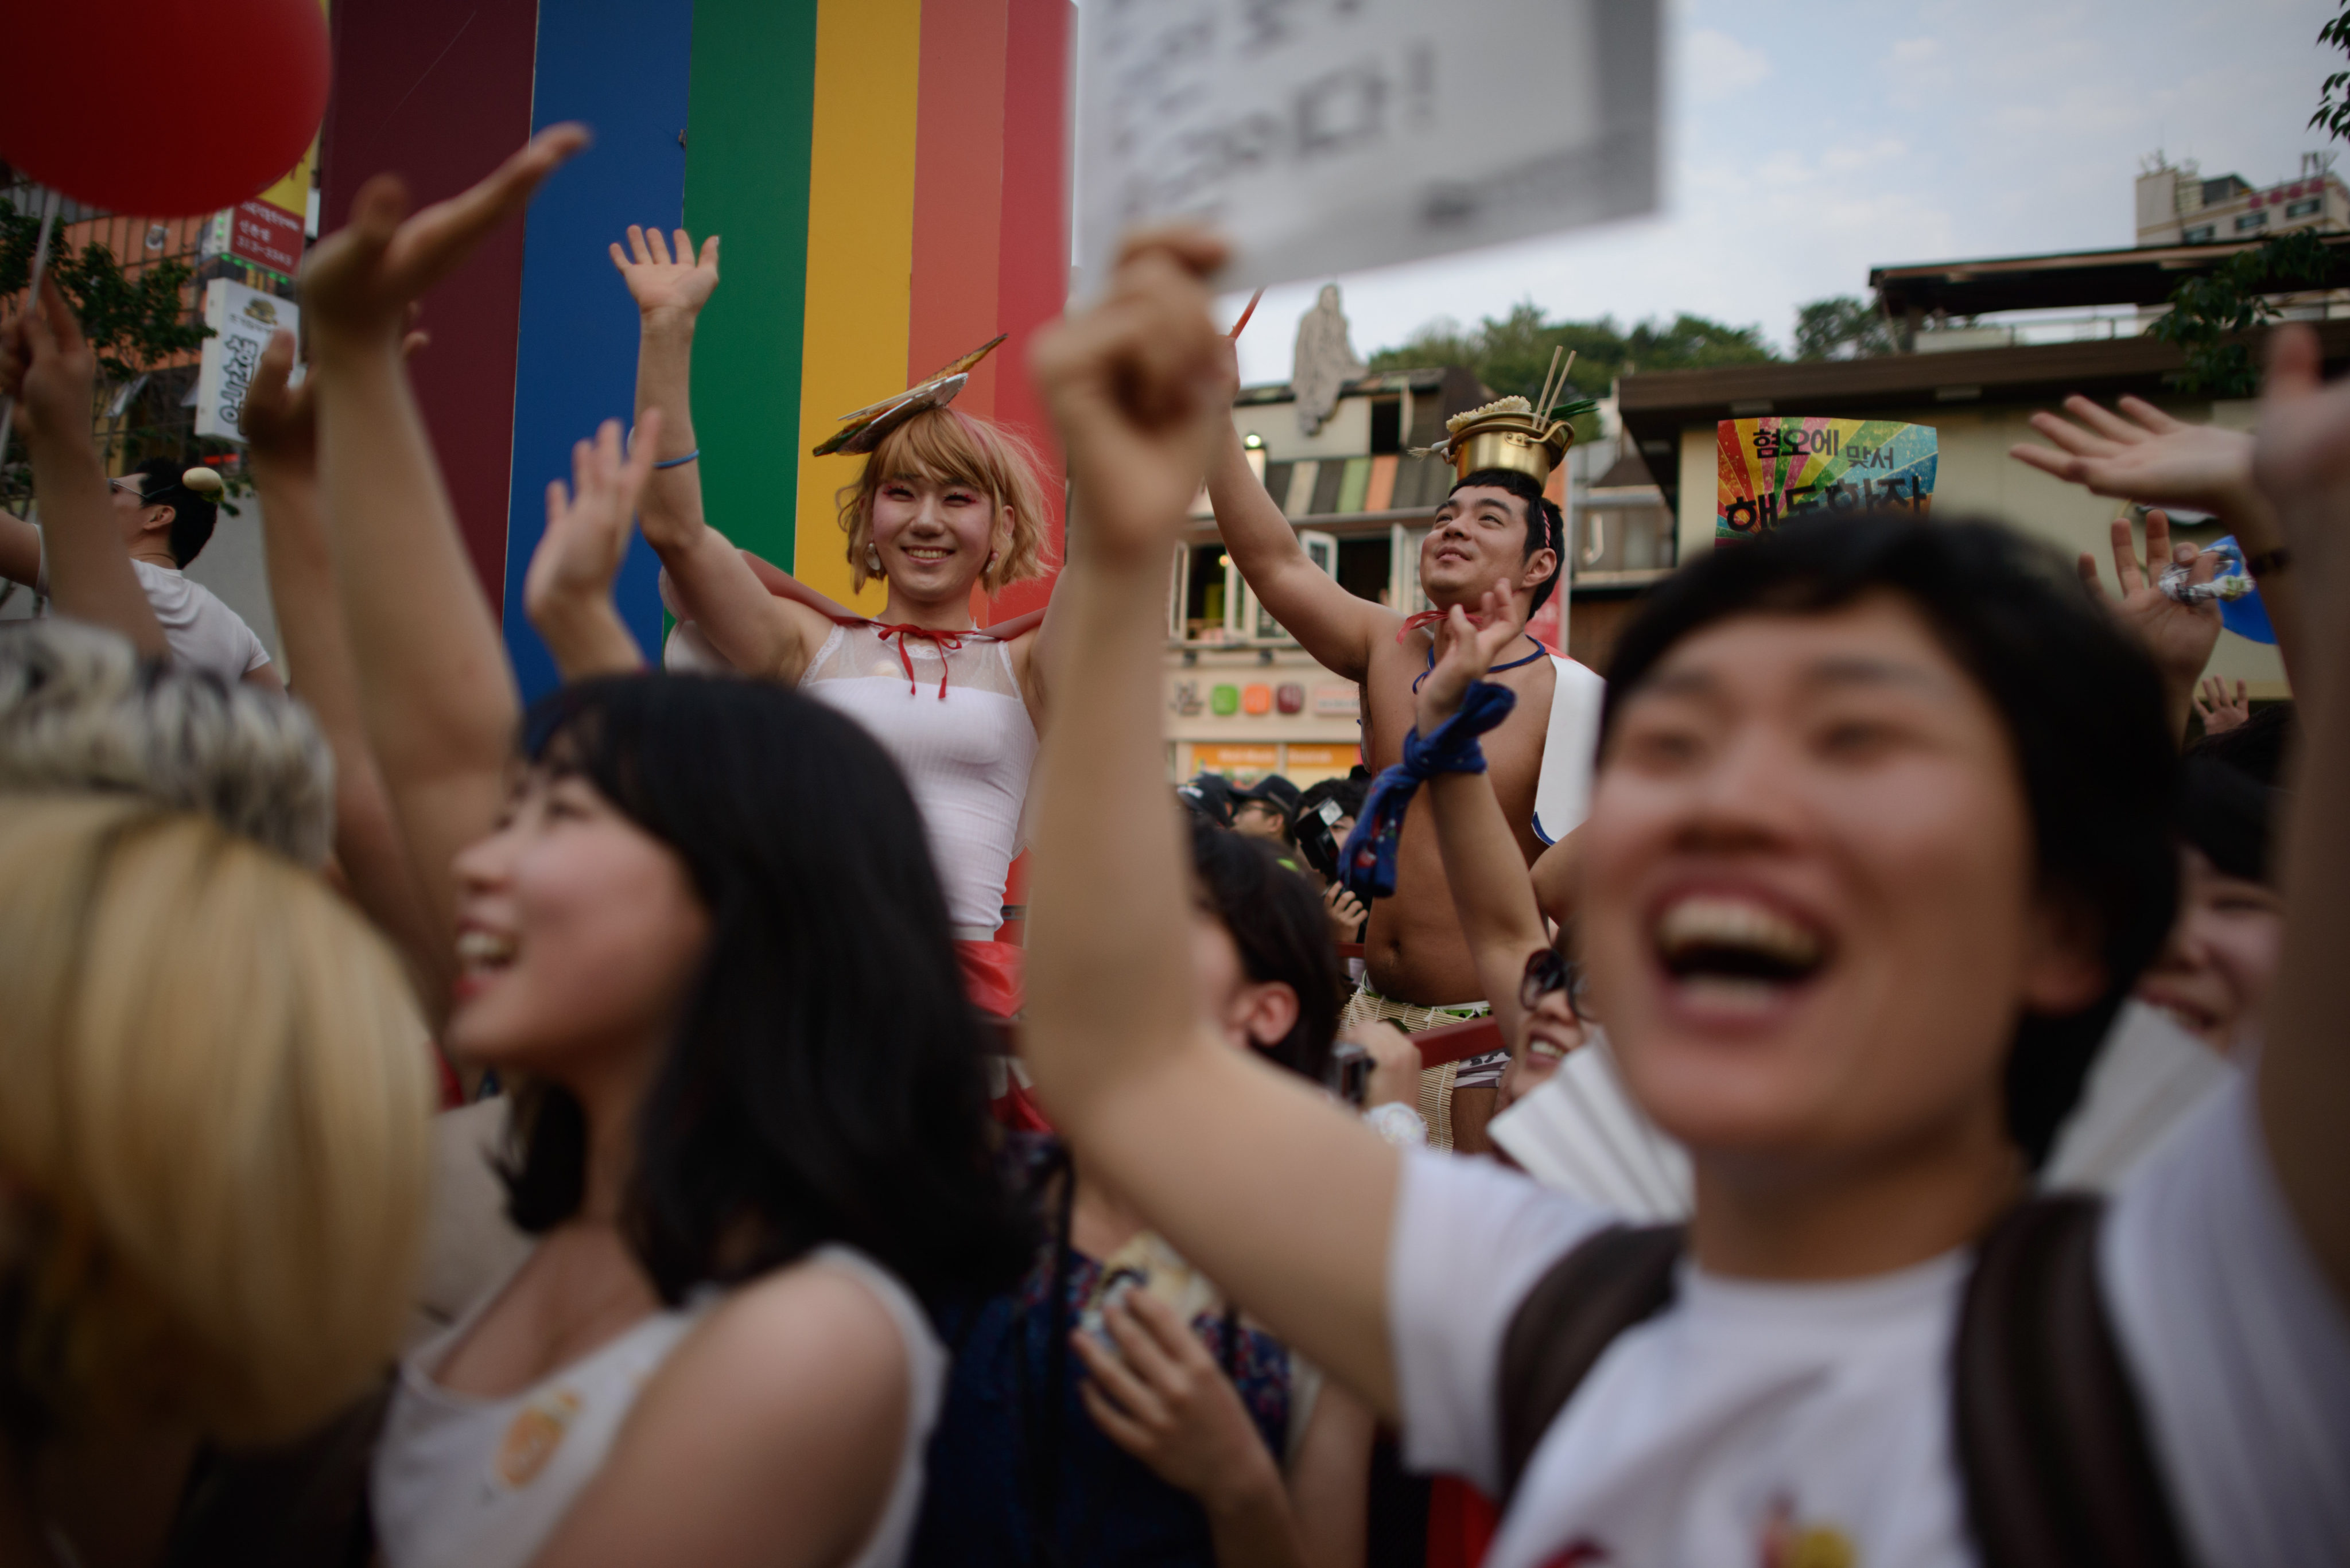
(960,733)
(460,1480)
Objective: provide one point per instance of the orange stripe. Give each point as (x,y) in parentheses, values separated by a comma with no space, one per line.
(958,194)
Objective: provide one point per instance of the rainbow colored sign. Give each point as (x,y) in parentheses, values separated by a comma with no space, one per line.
(1773,467)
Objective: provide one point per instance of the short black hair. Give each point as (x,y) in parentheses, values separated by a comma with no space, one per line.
(826,1081)
(1546,524)
(2080,700)
(1348,792)
(1276,920)
(193,515)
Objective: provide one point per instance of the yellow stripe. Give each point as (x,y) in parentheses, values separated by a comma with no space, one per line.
(860,257)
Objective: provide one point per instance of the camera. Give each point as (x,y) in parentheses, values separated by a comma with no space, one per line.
(1348,1076)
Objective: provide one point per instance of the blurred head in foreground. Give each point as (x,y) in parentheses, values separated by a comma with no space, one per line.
(1878,844)
(80,710)
(213,1140)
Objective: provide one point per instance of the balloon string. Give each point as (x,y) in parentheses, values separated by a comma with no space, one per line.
(49,200)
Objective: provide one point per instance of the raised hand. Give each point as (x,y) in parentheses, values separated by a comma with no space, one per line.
(2180,637)
(358,281)
(281,417)
(568,589)
(659,285)
(1135,384)
(1466,649)
(46,366)
(1161,1397)
(2219,711)
(2138,453)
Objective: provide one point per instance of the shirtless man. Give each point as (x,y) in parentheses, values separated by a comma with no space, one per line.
(1494,528)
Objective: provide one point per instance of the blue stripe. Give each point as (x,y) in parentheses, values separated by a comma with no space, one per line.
(622,69)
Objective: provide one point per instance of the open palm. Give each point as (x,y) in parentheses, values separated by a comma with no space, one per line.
(2180,637)
(658,281)
(2138,453)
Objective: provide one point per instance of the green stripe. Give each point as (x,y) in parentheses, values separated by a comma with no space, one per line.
(748,133)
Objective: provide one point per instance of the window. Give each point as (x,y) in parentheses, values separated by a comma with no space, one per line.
(1386,426)
(2307,207)
(1364,564)
(2202,235)
(2251,221)
(1204,594)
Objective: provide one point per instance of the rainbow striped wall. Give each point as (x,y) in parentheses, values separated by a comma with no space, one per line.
(888,178)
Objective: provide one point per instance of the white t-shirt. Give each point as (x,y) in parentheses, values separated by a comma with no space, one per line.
(1748,1416)
(203,632)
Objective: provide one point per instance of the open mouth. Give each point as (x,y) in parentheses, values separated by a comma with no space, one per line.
(483,953)
(1727,950)
(925,551)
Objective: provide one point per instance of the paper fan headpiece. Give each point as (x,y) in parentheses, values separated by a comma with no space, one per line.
(862,431)
(1511,432)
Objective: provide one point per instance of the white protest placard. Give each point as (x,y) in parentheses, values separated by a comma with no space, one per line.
(242,319)
(1328,136)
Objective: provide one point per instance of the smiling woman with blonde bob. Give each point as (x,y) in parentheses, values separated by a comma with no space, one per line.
(945,505)
(1876,847)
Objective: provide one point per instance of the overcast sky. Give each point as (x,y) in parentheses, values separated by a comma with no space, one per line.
(1807,143)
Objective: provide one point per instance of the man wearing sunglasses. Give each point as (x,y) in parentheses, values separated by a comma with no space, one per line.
(163,522)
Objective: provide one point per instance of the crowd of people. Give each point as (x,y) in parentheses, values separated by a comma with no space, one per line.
(438,1130)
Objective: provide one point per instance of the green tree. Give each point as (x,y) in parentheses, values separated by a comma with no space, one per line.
(132,323)
(2333,114)
(1512,353)
(1841,329)
(2212,311)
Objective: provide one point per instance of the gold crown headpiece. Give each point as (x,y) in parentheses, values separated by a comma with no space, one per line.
(1511,433)
(862,430)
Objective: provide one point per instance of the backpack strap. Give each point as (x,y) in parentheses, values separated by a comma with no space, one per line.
(2051,1444)
(1606,1284)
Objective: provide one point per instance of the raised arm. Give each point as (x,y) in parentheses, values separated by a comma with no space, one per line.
(439,700)
(1192,1131)
(1491,891)
(2302,465)
(567,591)
(281,433)
(46,366)
(758,633)
(2137,452)
(1331,624)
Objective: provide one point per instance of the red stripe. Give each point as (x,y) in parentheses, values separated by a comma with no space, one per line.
(957,186)
(1033,269)
(438,91)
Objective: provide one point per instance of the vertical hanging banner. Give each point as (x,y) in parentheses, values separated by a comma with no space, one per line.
(242,319)
(1327,136)
(1774,468)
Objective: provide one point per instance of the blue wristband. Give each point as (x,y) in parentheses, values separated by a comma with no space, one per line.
(680,462)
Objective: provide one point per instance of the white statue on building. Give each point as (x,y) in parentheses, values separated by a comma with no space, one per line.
(1325,362)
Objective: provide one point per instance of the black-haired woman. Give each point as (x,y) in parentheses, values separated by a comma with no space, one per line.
(697,919)
(1115,1409)
(1877,844)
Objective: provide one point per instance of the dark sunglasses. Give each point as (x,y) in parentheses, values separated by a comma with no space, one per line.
(1548,969)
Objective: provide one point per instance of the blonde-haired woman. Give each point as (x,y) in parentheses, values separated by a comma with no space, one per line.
(945,503)
(213,1146)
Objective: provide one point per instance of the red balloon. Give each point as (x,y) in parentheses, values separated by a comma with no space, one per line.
(163,108)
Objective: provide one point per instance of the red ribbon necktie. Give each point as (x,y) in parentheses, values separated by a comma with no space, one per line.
(1412,623)
(946,642)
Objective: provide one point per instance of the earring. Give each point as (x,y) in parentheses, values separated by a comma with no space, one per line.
(872,561)
(990,562)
